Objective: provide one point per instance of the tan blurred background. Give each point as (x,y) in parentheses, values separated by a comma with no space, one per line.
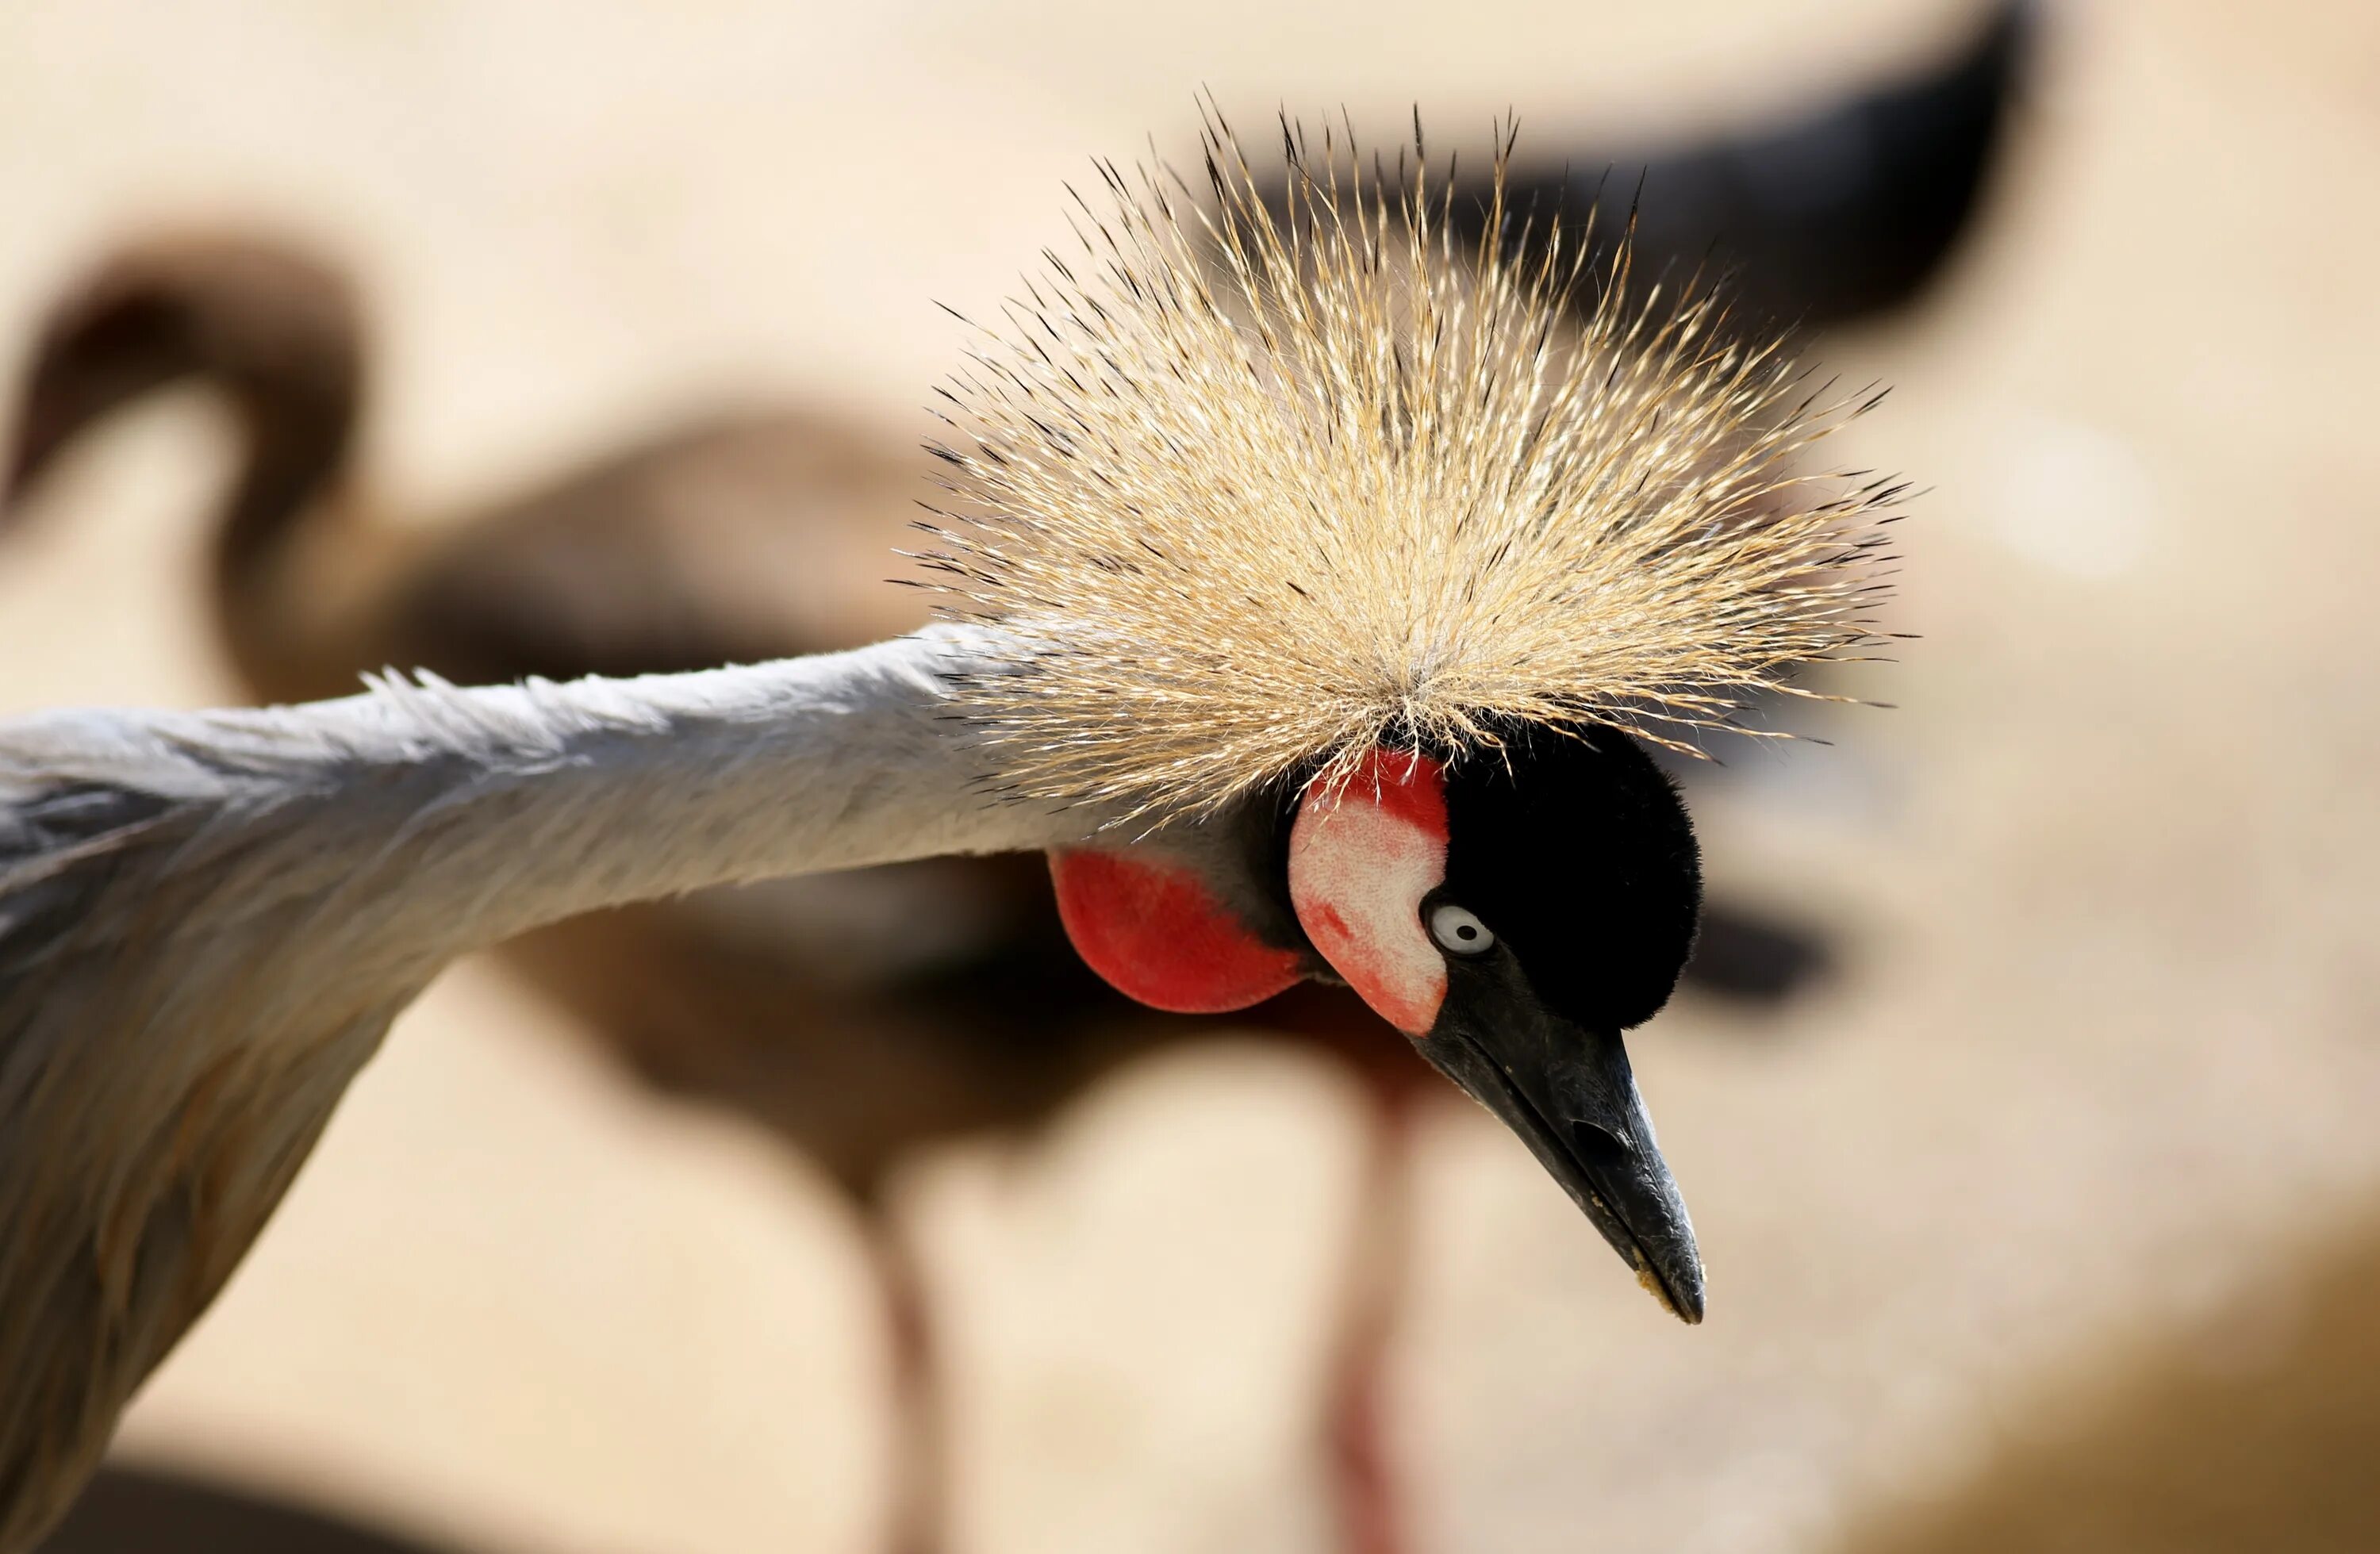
(2049,1218)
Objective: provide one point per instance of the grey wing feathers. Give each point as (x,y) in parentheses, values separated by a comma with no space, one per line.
(142,1142)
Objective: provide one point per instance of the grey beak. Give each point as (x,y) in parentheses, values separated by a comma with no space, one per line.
(1571,1097)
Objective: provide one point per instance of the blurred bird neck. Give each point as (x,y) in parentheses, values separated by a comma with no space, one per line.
(285,579)
(299,428)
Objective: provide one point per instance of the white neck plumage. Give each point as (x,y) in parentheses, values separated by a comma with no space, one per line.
(519,806)
(453,818)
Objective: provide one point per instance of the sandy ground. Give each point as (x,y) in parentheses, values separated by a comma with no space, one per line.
(2101,1066)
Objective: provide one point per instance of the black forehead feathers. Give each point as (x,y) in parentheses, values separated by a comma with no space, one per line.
(1577,852)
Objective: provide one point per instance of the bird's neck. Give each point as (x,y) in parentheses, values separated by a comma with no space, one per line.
(291,580)
(299,430)
(433,820)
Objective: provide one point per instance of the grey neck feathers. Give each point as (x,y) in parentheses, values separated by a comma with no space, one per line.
(437,819)
(602,792)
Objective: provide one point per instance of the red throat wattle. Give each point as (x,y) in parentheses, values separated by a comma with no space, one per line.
(1157,934)
(1361,859)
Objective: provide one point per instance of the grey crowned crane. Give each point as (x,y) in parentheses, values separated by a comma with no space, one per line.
(866,1016)
(1313,587)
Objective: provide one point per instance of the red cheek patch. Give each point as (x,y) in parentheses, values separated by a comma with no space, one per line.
(1159,935)
(1361,859)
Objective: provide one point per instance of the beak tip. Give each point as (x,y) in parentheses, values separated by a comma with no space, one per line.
(1683,1299)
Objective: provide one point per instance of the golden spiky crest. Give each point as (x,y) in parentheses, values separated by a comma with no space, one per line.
(1262,486)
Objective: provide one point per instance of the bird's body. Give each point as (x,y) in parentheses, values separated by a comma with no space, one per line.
(263,854)
(1303,602)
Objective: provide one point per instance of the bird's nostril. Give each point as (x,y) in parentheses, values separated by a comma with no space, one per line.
(1601,1145)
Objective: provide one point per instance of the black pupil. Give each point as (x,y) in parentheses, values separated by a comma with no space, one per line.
(1466,931)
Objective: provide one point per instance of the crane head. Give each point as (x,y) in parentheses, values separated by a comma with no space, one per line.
(1513,916)
(1343,566)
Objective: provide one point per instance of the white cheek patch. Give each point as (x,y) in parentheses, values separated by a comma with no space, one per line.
(1357,872)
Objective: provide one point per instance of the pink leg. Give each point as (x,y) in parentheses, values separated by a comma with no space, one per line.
(914,1525)
(1363,1473)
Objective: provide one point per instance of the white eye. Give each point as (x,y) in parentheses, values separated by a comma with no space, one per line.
(1457,932)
